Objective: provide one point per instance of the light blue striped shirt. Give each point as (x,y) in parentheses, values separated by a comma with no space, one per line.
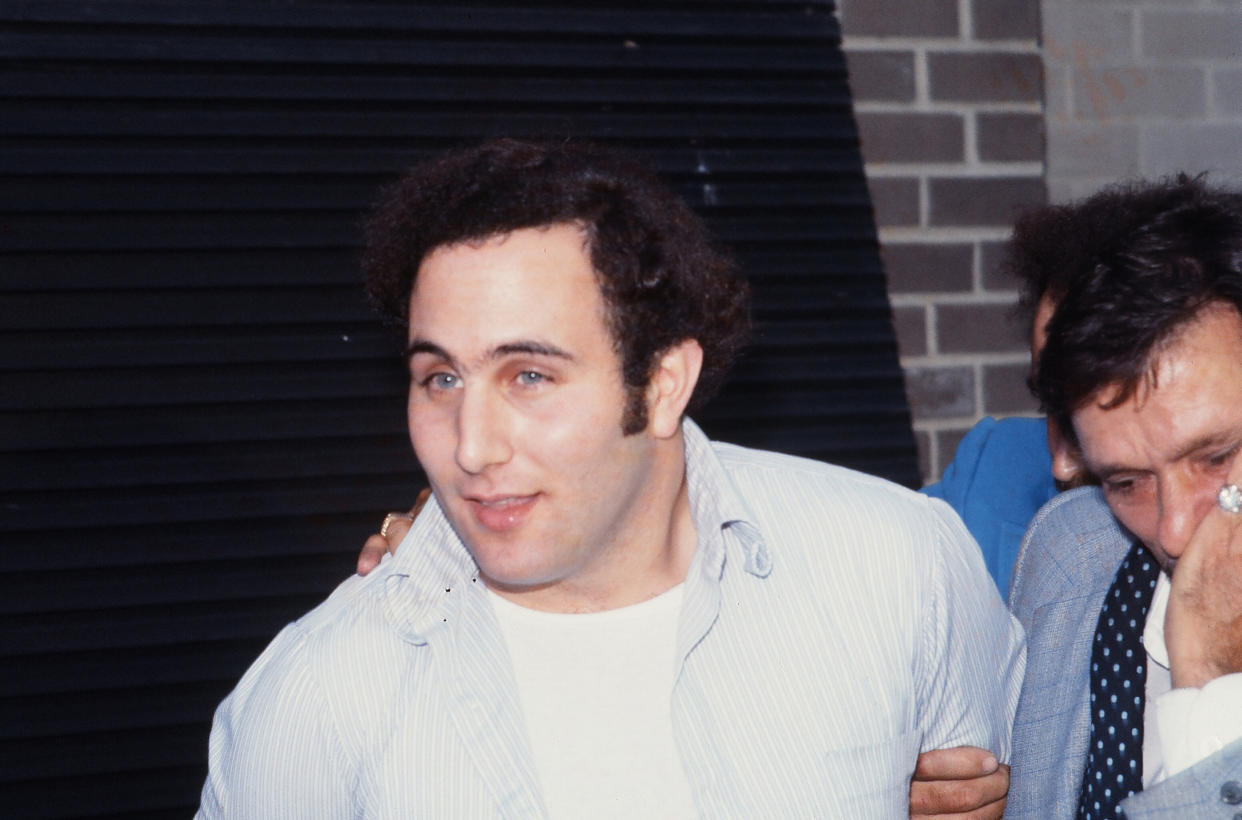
(833,626)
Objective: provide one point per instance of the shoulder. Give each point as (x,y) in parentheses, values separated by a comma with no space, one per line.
(1068,521)
(778,478)
(300,717)
(799,502)
(332,659)
(1015,447)
(1072,546)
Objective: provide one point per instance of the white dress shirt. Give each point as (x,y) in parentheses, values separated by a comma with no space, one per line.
(833,625)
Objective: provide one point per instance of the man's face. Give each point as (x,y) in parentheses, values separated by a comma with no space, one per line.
(515,411)
(1163,454)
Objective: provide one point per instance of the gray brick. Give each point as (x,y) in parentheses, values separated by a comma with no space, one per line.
(983,200)
(1078,35)
(919,267)
(946,445)
(1197,34)
(881,76)
(1071,189)
(991,265)
(985,77)
(1227,97)
(1200,34)
(1056,91)
(1010,137)
(1005,390)
(913,137)
(911,326)
(980,329)
(1093,149)
(1005,19)
(1170,148)
(898,18)
(922,440)
(895,200)
(941,392)
(1165,91)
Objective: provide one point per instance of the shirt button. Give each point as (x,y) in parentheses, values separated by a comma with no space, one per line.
(1231,792)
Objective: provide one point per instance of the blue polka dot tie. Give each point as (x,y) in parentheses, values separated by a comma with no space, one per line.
(1114,768)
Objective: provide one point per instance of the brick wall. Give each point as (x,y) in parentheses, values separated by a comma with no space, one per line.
(949,100)
(1142,89)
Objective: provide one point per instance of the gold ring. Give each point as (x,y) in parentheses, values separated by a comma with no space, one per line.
(388,519)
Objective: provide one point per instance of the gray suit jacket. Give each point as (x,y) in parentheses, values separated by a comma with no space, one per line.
(1067,562)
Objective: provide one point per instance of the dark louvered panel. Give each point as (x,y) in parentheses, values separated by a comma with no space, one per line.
(199,418)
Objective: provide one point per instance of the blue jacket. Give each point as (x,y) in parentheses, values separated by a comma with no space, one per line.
(1000,476)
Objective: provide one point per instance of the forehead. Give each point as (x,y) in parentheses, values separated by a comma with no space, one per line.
(529,283)
(1192,394)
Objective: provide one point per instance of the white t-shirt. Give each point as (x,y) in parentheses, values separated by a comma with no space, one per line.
(596,691)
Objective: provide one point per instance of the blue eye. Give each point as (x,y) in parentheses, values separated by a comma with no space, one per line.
(441,381)
(530,378)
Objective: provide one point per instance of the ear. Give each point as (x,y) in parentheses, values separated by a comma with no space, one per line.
(1066,462)
(672,384)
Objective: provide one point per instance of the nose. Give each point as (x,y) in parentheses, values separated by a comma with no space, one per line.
(1183,503)
(482,432)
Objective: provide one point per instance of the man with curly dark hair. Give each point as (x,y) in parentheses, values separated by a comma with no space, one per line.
(1131,592)
(600,612)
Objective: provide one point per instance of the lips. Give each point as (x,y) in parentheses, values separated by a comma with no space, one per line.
(500,513)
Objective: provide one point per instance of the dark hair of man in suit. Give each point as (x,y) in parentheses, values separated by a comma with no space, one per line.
(1134,264)
(662,279)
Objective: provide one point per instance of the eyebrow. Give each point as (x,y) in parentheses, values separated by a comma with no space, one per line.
(1209,441)
(521,347)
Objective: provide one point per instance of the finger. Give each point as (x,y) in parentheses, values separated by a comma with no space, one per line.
(373,551)
(974,797)
(423,495)
(1203,623)
(992,811)
(1212,535)
(959,763)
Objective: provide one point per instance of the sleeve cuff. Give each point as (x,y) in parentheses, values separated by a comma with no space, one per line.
(1194,724)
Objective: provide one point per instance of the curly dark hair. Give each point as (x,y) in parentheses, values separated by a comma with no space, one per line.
(1141,260)
(662,279)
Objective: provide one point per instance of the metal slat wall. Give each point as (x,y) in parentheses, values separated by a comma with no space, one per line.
(200,420)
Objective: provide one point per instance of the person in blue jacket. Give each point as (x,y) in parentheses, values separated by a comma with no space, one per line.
(1004,470)
(1000,476)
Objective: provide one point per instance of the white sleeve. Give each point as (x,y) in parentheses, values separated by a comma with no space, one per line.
(974,652)
(1194,724)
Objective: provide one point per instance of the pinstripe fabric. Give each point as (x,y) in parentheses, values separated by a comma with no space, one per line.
(833,626)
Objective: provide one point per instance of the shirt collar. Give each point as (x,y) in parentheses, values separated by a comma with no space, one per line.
(717,506)
(1153,631)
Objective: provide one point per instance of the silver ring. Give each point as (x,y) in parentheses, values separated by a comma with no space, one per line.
(388,519)
(1229,499)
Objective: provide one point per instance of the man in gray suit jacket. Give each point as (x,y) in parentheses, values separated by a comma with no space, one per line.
(1068,562)
(1143,371)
